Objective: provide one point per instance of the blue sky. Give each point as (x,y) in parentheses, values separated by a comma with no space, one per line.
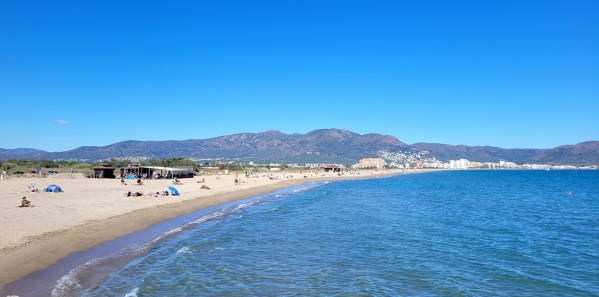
(507,73)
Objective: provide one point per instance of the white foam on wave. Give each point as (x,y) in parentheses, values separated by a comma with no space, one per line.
(216,249)
(70,282)
(244,205)
(183,250)
(311,186)
(132,293)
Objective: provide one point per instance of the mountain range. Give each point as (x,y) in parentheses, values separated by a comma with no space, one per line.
(324,145)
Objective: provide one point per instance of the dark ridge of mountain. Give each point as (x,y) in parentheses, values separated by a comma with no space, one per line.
(446,152)
(584,153)
(324,145)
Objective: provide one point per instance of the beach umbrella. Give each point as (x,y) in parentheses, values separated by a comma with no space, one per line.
(173,191)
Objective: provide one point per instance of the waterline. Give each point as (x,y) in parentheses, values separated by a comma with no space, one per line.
(79,271)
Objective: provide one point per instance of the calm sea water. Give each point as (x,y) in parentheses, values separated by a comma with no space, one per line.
(456,233)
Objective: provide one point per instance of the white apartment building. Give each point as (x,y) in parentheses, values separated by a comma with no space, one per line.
(504,164)
(459,164)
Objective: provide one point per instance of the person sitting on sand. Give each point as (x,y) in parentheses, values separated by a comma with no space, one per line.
(25,202)
(140,182)
(123,181)
(165,193)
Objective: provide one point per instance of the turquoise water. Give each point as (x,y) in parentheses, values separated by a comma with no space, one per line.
(455,233)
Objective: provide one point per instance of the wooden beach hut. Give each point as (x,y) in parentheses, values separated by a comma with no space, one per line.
(333,168)
(103,171)
(155,172)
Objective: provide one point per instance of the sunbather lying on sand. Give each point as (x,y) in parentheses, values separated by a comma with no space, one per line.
(205,187)
(33,188)
(136,194)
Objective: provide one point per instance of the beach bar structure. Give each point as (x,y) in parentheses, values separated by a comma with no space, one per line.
(103,171)
(154,172)
(333,168)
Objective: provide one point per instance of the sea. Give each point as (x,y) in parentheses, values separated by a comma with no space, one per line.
(447,233)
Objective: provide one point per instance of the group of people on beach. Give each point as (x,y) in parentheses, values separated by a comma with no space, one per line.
(26,203)
(141,182)
(140,193)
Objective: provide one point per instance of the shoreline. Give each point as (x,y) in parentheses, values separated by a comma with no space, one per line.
(42,251)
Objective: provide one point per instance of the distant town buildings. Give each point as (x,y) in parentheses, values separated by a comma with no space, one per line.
(313,165)
(411,158)
(423,159)
(372,163)
(459,164)
(504,164)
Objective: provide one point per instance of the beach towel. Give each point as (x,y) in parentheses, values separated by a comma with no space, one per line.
(173,191)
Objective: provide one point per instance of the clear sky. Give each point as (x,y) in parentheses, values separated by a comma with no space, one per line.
(502,73)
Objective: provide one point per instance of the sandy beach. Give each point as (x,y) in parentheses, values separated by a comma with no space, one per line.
(92,211)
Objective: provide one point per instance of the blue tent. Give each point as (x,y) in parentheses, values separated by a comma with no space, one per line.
(53,188)
(174,191)
(130,176)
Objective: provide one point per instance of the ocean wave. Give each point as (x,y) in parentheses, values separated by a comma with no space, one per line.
(71,284)
(216,249)
(132,293)
(183,250)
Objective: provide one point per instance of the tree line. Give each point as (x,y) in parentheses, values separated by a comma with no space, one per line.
(30,164)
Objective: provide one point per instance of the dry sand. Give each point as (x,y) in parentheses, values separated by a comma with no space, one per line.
(92,211)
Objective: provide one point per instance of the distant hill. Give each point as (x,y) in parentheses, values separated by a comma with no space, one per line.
(18,152)
(325,145)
